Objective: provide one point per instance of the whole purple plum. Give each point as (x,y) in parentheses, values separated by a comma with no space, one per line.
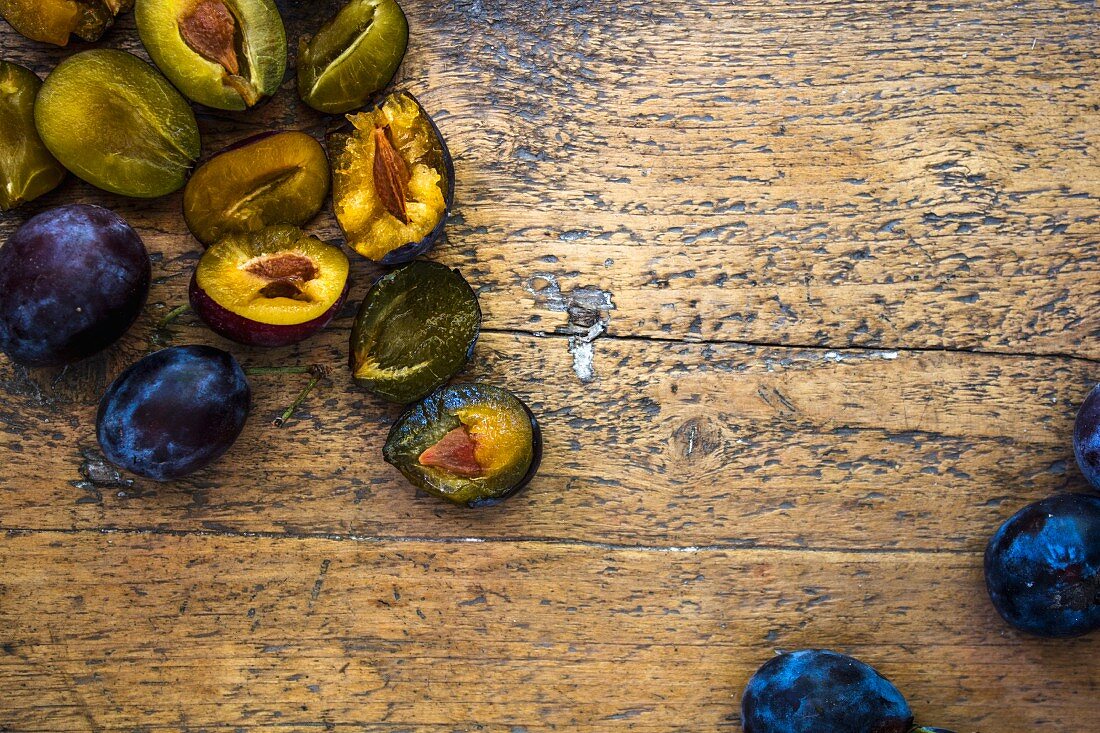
(72,281)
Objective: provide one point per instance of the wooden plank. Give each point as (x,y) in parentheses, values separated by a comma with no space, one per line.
(155,633)
(671,445)
(836,174)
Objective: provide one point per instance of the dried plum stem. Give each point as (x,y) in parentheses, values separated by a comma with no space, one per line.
(318,373)
(171,316)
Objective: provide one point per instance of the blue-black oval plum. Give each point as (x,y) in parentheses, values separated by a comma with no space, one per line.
(1042,567)
(174,412)
(818,691)
(72,281)
(1086,437)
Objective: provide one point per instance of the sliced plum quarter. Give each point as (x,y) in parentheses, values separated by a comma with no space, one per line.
(274,287)
(393,181)
(471,444)
(272,178)
(414,331)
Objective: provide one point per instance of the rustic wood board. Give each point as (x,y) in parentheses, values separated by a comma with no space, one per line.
(844,259)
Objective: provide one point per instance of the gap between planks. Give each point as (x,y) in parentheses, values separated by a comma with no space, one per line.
(730,547)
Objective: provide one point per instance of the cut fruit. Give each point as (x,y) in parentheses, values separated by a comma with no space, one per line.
(393,181)
(53,21)
(27,169)
(226,54)
(415,330)
(274,287)
(471,444)
(353,56)
(273,178)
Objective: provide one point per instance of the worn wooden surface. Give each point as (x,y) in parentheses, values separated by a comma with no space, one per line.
(837,266)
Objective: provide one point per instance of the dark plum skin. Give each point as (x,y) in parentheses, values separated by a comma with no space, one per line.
(1086,437)
(1042,567)
(817,691)
(931,730)
(72,281)
(174,412)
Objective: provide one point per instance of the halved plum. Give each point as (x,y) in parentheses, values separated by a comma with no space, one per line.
(27,170)
(53,21)
(415,330)
(393,181)
(353,56)
(113,120)
(226,54)
(268,179)
(274,287)
(471,444)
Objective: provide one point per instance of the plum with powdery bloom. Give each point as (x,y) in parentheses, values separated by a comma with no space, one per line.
(174,412)
(1042,567)
(818,691)
(72,281)
(1086,437)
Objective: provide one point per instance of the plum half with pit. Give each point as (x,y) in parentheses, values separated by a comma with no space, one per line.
(72,281)
(471,444)
(225,54)
(1042,567)
(354,55)
(174,412)
(819,691)
(268,179)
(274,287)
(415,330)
(392,181)
(27,170)
(53,21)
(114,121)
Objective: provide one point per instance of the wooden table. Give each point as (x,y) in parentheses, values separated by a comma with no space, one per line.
(805,295)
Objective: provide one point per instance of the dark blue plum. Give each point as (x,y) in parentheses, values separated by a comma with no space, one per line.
(174,412)
(1086,437)
(72,281)
(817,691)
(1042,568)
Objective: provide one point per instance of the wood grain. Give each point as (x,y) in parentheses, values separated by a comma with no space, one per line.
(835,268)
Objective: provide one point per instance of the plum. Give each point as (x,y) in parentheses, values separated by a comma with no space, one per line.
(111,119)
(72,281)
(174,412)
(471,444)
(818,691)
(271,178)
(1042,567)
(392,181)
(53,21)
(354,55)
(1086,437)
(416,329)
(226,54)
(27,170)
(275,287)
(926,729)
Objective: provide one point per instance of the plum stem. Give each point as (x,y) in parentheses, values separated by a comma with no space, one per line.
(171,316)
(317,373)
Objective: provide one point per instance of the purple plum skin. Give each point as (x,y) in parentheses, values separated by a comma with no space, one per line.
(1042,567)
(174,412)
(1086,437)
(228,324)
(72,281)
(818,691)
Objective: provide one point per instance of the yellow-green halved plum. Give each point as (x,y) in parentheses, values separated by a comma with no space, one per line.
(392,181)
(27,170)
(53,21)
(226,54)
(272,178)
(111,119)
(354,56)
